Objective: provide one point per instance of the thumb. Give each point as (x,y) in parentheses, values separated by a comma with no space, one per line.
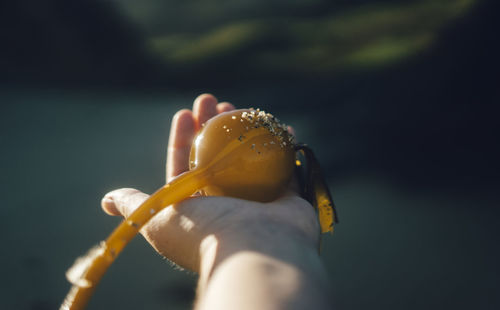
(123,201)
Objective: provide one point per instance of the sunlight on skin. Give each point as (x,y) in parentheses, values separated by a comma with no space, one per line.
(244,157)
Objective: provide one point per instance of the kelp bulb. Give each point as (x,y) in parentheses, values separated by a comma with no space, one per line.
(248,154)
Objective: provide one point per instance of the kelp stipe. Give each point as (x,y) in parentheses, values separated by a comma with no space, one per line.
(88,270)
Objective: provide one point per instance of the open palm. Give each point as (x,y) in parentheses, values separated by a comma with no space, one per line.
(180,232)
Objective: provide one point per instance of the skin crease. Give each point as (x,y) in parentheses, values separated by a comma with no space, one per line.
(221,238)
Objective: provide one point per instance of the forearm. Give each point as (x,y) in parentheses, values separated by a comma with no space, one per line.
(271,270)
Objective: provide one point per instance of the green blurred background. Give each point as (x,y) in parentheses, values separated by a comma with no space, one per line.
(397,98)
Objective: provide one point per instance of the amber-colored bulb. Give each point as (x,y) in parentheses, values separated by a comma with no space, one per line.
(246,153)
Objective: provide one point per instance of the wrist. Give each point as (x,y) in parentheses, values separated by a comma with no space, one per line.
(267,238)
(273,268)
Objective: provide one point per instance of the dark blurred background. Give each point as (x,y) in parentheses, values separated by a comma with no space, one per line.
(397,98)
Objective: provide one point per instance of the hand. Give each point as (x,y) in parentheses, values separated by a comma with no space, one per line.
(186,232)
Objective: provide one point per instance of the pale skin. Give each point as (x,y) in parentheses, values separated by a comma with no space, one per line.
(249,255)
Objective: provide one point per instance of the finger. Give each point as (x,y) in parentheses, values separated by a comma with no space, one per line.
(179,143)
(204,108)
(224,107)
(123,201)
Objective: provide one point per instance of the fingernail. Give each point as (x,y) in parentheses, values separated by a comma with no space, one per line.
(109,206)
(107,201)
